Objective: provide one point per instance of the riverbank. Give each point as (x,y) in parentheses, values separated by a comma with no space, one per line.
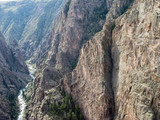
(22,99)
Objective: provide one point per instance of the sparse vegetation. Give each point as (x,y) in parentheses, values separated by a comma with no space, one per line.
(13,106)
(27,98)
(67,108)
(27,94)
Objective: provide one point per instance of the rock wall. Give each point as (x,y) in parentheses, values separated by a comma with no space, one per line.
(121,73)
(78,22)
(90,83)
(135,53)
(13,77)
(117,73)
(78,18)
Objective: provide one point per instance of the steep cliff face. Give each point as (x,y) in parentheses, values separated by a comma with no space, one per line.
(117,74)
(90,83)
(118,70)
(13,76)
(27,22)
(135,52)
(78,22)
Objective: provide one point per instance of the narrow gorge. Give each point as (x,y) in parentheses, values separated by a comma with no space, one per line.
(94,60)
(21,99)
(13,77)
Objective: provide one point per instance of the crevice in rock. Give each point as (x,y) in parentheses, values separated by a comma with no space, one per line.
(108,28)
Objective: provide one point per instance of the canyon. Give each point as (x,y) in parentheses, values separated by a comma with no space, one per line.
(95,59)
(27,22)
(13,77)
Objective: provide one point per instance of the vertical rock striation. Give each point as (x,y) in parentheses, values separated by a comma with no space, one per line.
(78,22)
(90,83)
(117,73)
(135,52)
(129,57)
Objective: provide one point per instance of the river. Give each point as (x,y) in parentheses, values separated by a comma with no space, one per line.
(21,101)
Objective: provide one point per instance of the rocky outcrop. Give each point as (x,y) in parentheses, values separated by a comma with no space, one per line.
(121,68)
(135,53)
(4,109)
(90,83)
(13,77)
(76,20)
(117,74)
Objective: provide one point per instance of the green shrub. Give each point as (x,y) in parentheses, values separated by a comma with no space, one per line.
(13,106)
(67,108)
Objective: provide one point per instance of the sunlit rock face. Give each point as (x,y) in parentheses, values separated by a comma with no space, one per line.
(78,22)
(13,76)
(117,73)
(135,51)
(90,83)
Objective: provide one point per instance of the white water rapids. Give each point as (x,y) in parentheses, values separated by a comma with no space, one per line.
(21,100)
